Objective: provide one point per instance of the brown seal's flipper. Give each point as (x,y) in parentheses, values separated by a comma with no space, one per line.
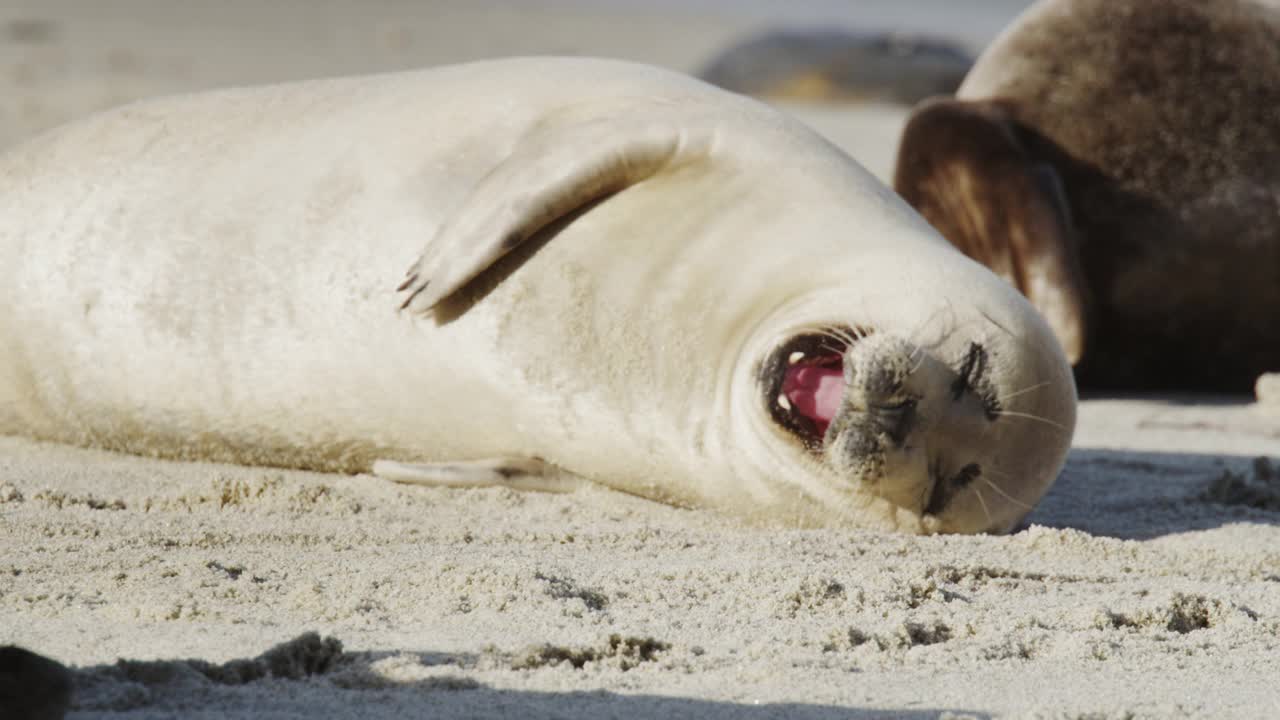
(962,167)
(555,169)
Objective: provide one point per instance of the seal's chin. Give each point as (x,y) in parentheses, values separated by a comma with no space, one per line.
(804,383)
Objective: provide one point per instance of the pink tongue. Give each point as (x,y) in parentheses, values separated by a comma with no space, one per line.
(814,392)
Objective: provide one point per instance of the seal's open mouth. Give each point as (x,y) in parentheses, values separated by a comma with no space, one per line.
(804,383)
(813,388)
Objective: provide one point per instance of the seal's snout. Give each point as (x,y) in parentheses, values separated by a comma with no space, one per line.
(909,425)
(879,402)
(824,385)
(875,439)
(924,428)
(877,371)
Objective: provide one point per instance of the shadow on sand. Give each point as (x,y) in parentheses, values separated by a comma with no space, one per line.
(311,676)
(1139,495)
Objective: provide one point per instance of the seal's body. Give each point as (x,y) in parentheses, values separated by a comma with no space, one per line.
(623,275)
(1119,161)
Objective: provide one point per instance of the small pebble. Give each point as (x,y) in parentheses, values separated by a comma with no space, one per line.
(1267,390)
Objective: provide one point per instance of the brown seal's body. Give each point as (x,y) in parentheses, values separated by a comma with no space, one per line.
(1119,161)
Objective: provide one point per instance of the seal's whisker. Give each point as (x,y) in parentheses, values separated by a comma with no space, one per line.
(992,320)
(1002,492)
(956,325)
(1037,386)
(959,327)
(843,341)
(985,510)
(839,340)
(916,352)
(924,324)
(839,336)
(1029,416)
(919,363)
(845,336)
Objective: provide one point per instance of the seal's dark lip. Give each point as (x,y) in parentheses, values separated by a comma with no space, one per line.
(819,347)
(945,489)
(939,495)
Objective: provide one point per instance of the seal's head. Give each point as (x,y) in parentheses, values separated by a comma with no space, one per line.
(959,434)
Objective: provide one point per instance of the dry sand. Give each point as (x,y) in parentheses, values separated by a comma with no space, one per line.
(1147,584)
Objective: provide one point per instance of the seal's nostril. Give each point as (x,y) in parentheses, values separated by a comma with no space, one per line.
(967,475)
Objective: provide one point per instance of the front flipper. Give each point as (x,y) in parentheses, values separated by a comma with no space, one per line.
(961,166)
(558,167)
(528,474)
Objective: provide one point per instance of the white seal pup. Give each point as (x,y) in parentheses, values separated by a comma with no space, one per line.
(624,276)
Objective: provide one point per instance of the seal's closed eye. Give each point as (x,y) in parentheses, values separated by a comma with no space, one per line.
(973,377)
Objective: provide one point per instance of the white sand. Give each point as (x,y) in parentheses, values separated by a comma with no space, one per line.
(1132,593)
(1148,585)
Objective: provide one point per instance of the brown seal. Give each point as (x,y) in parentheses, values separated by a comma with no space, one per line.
(1119,162)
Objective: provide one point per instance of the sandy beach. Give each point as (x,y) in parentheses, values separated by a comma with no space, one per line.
(1145,585)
